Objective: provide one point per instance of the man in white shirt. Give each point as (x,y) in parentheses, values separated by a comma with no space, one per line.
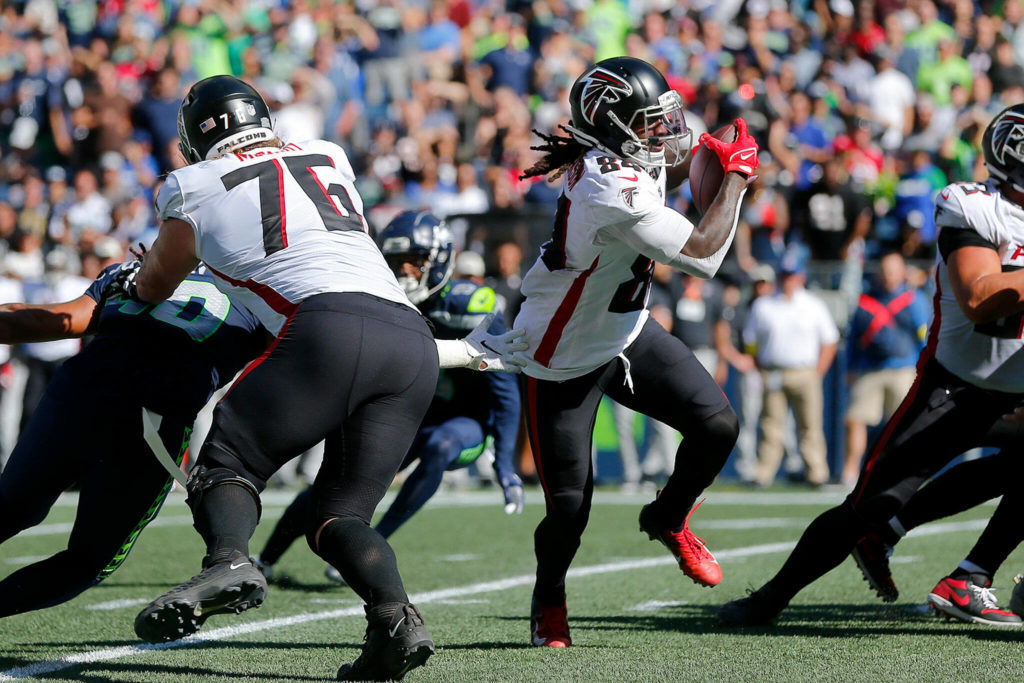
(793,339)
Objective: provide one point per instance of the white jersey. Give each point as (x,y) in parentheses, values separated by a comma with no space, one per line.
(276,226)
(989,355)
(586,295)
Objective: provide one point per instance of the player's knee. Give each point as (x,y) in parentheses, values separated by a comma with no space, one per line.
(319,532)
(722,430)
(204,479)
(569,505)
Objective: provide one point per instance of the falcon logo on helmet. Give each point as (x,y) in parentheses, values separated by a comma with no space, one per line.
(600,86)
(1007,137)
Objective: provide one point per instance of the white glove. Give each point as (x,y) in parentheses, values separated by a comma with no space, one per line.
(495,353)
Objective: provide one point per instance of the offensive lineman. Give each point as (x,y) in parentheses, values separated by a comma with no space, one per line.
(280,227)
(469,409)
(970,374)
(588,328)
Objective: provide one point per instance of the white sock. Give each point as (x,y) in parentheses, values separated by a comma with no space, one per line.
(897,528)
(972,568)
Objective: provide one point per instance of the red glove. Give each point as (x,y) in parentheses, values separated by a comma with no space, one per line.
(739,155)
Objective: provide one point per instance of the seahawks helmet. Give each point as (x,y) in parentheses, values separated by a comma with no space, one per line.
(424,240)
(1003,144)
(219,114)
(618,99)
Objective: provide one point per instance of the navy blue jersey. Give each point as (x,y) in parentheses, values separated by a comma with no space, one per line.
(491,398)
(169,357)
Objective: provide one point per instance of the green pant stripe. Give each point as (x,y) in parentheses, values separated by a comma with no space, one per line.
(151,513)
(471,454)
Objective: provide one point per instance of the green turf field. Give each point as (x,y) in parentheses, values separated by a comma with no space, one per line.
(634,616)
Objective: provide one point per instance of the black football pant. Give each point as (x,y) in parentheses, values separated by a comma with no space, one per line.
(355,370)
(969,484)
(96,442)
(941,417)
(668,384)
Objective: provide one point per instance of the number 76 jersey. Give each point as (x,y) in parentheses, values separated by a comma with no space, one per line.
(278,225)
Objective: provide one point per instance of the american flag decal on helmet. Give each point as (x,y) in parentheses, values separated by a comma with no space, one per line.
(1008,136)
(207,125)
(601,85)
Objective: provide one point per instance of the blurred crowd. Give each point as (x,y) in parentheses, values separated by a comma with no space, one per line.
(864,110)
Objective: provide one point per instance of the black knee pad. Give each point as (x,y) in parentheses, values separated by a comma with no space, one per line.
(202,480)
(722,429)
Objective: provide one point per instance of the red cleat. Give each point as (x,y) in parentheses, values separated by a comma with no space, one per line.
(694,558)
(549,626)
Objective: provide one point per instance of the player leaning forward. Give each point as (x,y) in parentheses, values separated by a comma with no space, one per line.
(587,326)
(354,362)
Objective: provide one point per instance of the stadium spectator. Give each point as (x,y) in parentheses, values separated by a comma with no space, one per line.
(886,335)
(793,339)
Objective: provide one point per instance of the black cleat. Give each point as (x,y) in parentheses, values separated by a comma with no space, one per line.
(757,609)
(970,599)
(396,643)
(872,556)
(233,585)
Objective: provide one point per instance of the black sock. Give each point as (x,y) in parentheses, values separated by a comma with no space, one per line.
(364,558)
(226,518)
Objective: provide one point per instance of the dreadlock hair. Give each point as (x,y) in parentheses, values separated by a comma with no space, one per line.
(561,153)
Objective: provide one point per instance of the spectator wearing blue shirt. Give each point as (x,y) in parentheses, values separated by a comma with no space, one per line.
(886,336)
(511,66)
(914,206)
(800,143)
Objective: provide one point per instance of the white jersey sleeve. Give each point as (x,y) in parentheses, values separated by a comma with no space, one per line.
(989,355)
(971,206)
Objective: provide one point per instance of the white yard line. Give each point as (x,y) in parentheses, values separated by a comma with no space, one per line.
(459,592)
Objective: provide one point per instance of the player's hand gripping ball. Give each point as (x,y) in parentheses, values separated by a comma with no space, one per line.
(730,148)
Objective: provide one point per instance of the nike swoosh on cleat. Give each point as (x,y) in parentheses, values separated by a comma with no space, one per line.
(241,564)
(393,631)
(962,601)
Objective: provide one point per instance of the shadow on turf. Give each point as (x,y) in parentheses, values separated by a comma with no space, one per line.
(142,672)
(820,621)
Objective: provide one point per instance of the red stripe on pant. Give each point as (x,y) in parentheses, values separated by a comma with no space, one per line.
(263,356)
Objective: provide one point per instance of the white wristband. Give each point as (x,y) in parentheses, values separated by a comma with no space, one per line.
(453,353)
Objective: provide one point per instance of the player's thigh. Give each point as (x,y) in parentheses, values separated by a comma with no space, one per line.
(668,382)
(393,388)
(560,421)
(123,491)
(52,451)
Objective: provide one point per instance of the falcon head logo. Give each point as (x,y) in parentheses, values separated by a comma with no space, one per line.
(601,85)
(627,194)
(1008,138)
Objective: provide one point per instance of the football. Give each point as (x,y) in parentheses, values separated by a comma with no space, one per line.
(706,172)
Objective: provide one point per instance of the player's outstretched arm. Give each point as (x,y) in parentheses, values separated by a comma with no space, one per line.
(26,324)
(171,258)
(483,351)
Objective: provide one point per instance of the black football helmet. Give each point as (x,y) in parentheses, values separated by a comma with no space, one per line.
(219,114)
(1003,144)
(423,239)
(619,104)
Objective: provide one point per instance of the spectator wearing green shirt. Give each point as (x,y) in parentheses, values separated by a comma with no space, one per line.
(608,22)
(925,38)
(938,77)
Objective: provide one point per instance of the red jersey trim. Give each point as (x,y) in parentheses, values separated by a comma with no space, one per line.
(548,343)
(277,302)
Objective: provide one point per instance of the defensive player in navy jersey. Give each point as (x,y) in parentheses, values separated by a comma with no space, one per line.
(88,430)
(969,376)
(469,409)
